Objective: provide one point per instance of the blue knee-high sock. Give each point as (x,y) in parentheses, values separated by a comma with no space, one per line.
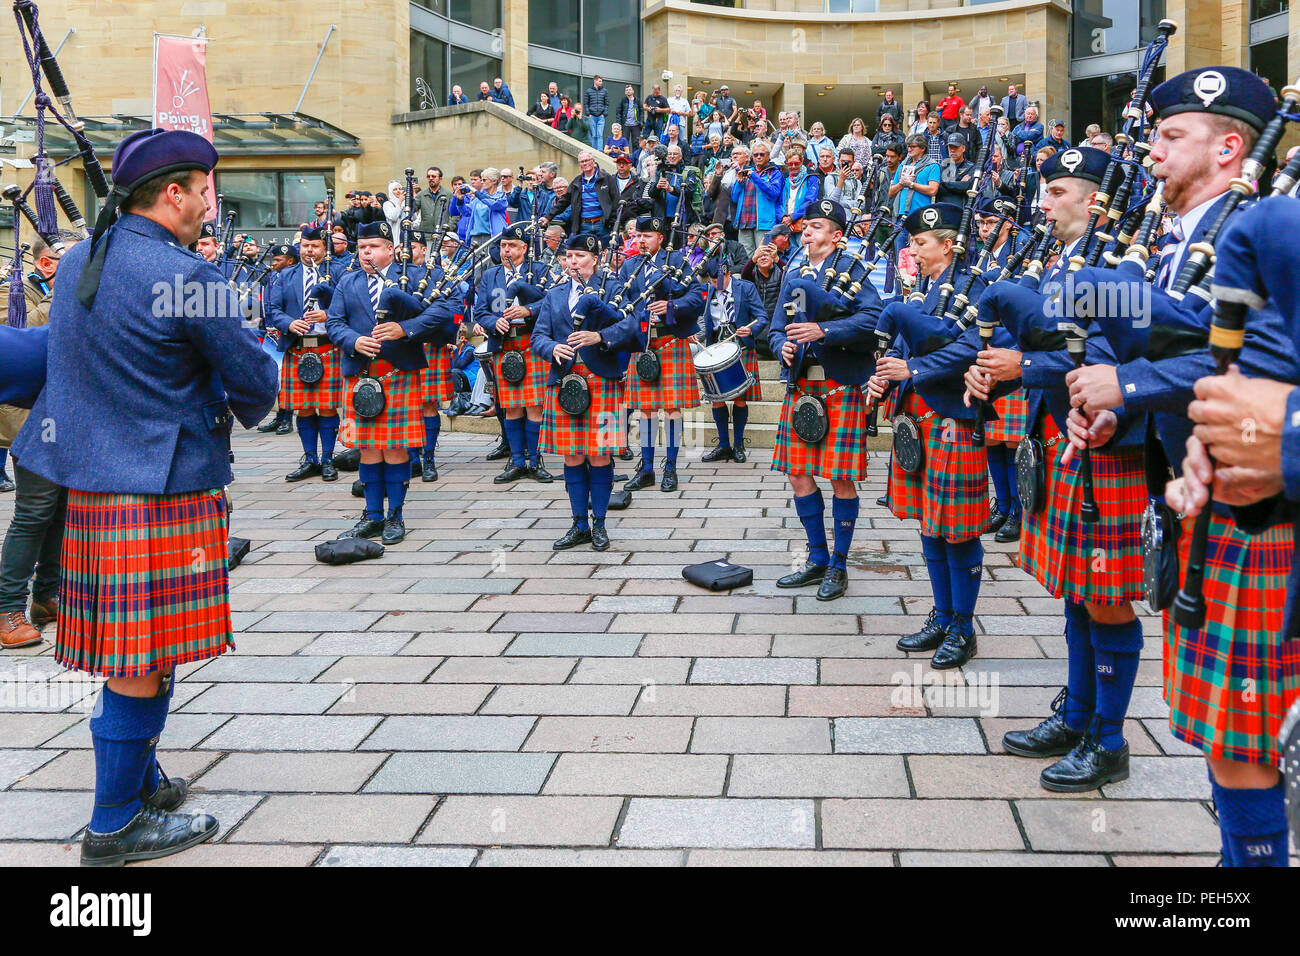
(601,481)
(1253,823)
(965,566)
(935,552)
(122,732)
(1013,488)
(4,459)
(648,442)
(739,418)
(412,458)
(997,455)
(1115,647)
(533,434)
(518,439)
(1081,682)
(372,476)
(673,437)
(577,484)
(810,509)
(723,421)
(432,425)
(844,515)
(328,426)
(152,777)
(307,434)
(395,479)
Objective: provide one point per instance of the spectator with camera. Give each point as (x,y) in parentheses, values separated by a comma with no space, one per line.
(656,111)
(756,194)
(616,143)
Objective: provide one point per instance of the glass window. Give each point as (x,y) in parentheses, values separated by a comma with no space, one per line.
(863,6)
(1268,59)
(251,196)
(611,29)
(539,81)
(484,14)
(1267,8)
(469,69)
(554,23)
(1101,100)
(428,72)
(437,6)
(299,192)
(1104,26)
(1150,13)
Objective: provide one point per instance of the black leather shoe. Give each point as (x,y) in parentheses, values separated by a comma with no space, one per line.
(417,468)
(169,796)
(1010,530)
(883,501)
(501,451)
(721,453)
(272,425)
(430,472)
(625,453)
(599,537)
(150,834)
(394,531)
(669,480)
(809,574)
(1051,738)
(1086,767)
(285,427)
(305,469)
(6,483)
(358,489)
(642,479)
(512,473)
(996,520)
(739,455)
(834,584)
(538,472)
(927,638)
(328,472)
(958,647)
(365,528)
(572,538)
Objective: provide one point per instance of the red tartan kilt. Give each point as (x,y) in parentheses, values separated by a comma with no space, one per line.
(1036,556)
(1099,563)
(145,584)
(1013,419)
(678,385)
(325,395)
(842,454)
(595,433)
(435,381)
(532,390)
(956,504)
(399,425)
(907,492)
(1230,684)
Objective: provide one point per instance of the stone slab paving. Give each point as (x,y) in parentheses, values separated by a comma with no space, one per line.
(473,698)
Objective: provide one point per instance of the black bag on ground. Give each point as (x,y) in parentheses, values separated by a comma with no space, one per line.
(236,550)
(619,500)
(348,460)
(348,550)
(718,575)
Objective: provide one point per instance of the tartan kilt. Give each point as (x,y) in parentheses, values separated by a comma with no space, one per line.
(955,505)
(145,584)
(678,385)
(532,390)
(399,425)
(842,454)
(1036,554)
(325,395)
(435,381)
(907,491)
(1113,544)
(1230,684)
(596,432)
(1013,419)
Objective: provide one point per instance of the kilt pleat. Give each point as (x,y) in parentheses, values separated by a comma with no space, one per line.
(1097,563)
(907,491)
(678,385)
(1229,685)
(435,381)
(327,394)
(842,454)
(1036,555)
(145,584)
(530,391)
(399,424)
(955,503)
(1013,419)
(594,433)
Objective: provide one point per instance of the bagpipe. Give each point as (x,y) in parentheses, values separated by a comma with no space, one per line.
(649,366)
(574,395)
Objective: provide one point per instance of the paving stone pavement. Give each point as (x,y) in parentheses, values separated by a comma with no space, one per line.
(474,698)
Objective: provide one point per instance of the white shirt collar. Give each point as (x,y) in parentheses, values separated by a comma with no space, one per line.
(1188,223)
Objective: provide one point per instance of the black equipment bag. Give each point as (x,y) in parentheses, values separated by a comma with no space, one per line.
(1031,475)
(348,550)
(620,500)
(909,446)
(809,419)
(648,366)
(718,575)
(514,367)
(236,550)
(1161,528)
(310,368)
(348,460)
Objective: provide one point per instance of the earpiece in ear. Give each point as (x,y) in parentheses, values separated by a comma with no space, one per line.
(1224,152)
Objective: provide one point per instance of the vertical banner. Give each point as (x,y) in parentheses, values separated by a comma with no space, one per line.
(180,90)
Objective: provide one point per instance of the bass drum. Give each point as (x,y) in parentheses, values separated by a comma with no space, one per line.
(722,372)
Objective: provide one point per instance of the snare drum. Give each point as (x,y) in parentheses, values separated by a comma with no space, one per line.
(722,372)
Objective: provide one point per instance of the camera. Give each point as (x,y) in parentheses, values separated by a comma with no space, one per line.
(666,76)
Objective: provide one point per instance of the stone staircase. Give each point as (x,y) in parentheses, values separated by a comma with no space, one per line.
(760,432)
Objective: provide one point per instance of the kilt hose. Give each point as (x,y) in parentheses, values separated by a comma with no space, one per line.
(326,395)
(596,432)
(955,505)
(678,385)
(1036,555)
(145,584)
(1013,419)
(399,425)
(907,491)
(1230,684)
(435,381)
(530,391)
(842,454)
(1097,563)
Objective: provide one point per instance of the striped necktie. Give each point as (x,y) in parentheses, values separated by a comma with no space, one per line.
(729,307)
(376,284)
(309,279)
(1164,278)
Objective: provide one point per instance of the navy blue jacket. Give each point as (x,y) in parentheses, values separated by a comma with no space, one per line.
(351,315)
(846,351)
(136,391)
(618,332)
(685,305)
(22,364)
(490,300)
(284,302)
(749,308)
